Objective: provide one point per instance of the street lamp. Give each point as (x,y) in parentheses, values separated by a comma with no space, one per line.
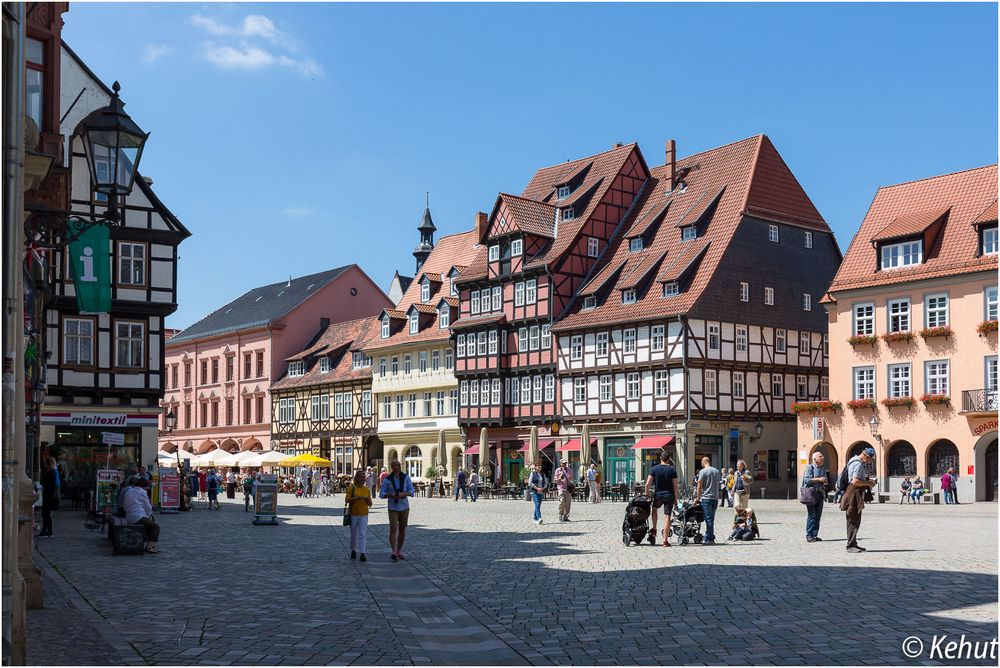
(874,424)
(759,430)
(170,419)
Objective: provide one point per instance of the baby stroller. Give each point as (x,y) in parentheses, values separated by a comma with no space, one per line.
(685,524)
(636,523)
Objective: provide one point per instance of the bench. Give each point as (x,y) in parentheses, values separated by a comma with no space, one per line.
(934,497)
(883,497)
(126,538)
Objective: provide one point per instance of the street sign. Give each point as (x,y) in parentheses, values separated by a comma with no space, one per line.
(111,438)
(265,501)
(818,425)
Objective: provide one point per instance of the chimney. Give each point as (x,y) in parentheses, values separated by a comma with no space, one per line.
(482,223)
(672,162)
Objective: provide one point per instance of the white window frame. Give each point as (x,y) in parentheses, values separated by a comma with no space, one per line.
(991,241)
(515,390)
(593,246)
(463,389)
(495,392)
(824,388)
(589,303)
(801,387)
(899,378)
(536,389)
(809,239)
(671,289)
(864,319)
(460,345)
(134,336)
(481,343)
(777,386)
(494,253)
(492,342)
(76,342)
(425,290)
(601,346)
(407,363)
(635,245)
(395,365)
(516,247)
(130,276)
(714,333)
(661,383)
(522,339)
(519,293)
(422,361)
(632,387)
(739,385)
(780,341)
(534,333)
(807,302)
(772,234)
(657,338)
(474,302)
(387,407)
(744,292)
(805,343)
(385,327)
(366,403)
(497,298)
(990,303)
(576,347)
(769,296)
(628,296)
(937,377)
(546,337)
(324,364)
(628,340)
(444,316)
(568,213)
(435,360)
(550,387)
(531,291)
(689,233)
(711,383)
(449,359)
(604,388)
(936,313)
(414,322)
(742,338)
(898,312)
(563,192)
(900,255)
(579,390)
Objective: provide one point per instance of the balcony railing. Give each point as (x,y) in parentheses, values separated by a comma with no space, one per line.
(979,401)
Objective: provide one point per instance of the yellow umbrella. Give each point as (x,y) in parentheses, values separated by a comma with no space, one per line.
(307,460)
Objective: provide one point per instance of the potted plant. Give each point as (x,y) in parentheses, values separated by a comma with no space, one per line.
(863,340)
(816,406)
(932,332)
(987,327)
(861,404)
(935,399)
(892,337)
(894,402)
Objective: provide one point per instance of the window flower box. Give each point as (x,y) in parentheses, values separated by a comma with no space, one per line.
(932,332)
(935,399)
(863,340)
(895,402)
(892,337)
(816,407)
(987,327)
(861,404)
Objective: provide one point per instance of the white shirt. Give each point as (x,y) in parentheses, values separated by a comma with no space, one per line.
(136,505)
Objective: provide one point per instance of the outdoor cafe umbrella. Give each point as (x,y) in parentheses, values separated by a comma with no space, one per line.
(246,458)
(306,459)
(532,448)
(442,454)
(217,457)
(267,458)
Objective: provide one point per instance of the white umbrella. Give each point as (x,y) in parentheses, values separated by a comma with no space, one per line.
(270,457)
(246,458)
(217,457)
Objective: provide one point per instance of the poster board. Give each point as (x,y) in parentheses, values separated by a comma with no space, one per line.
(760,465)
(170,490)
(265,500)
(108,482)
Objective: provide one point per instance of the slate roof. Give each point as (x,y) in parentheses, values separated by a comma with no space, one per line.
(336,340)
(969,195)
(260,306)
(747,177)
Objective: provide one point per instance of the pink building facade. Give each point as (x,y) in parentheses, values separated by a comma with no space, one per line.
(218,371)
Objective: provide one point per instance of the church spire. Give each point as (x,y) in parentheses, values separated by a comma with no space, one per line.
(427,230)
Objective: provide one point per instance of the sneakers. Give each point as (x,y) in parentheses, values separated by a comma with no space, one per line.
(354,555)
(855,550)
(363,557)
(651,537)
(394,556)
(536,521)
(820,540)
(810,539)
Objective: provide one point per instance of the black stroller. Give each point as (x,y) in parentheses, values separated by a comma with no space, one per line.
(635,527)
(685,524)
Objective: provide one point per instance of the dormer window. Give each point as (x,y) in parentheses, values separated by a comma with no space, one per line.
(385,327)
(296,369)
(689,232)
(425,291)
(568,213)
(593,247)
(635,245)
(360,360)
(324,364)
(671,289)
(628,296)
(414,322)
(589,302)
(990,240)
(494,253)
(444,316)
(563,193)
(906,254)
(516,247)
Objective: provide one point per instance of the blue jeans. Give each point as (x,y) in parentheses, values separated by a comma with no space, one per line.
(537,498)
(461,488)
(708,506)
(474,492)
(949,497)
(812,522)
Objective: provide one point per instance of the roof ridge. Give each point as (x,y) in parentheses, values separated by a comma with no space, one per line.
(938,176)
(710,150)
(587,157)
(527,199)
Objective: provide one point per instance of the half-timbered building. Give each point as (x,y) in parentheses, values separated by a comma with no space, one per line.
(413,360)
(699,326)
(323,404)
(105,371)
(537,250)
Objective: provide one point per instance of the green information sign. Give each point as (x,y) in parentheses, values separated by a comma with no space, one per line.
(90,262)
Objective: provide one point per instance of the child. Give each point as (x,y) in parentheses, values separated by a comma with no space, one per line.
(739,524)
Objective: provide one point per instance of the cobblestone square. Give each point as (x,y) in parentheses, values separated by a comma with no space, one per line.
(483,585)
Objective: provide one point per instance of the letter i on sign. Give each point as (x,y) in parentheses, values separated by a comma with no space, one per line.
(88,265)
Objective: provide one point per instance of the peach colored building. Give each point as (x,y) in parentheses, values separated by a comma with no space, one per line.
(913,339)
(218,370)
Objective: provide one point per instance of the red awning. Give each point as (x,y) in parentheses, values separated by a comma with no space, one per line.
(653,442)
(542,444)
(472,450)
(573,445)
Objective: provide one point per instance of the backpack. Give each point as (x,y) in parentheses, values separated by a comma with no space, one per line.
(843,481)
(212,484)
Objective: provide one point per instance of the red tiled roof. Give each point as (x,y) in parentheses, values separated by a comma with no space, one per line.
(603,276)
(428,309)
(475,321)
(644,263)
(752,180)
(648,219)
(699,207)
(989,215)
(529,216)
(337,339)
(910,224)
(969,195)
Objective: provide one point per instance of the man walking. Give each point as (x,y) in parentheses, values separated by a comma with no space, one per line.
(564,483)
(708,492)
(396,487)
(460,485)
(853,501)
(474,485)
(592,482)
(741,484)
(537,485)
(662,481)
(815,476)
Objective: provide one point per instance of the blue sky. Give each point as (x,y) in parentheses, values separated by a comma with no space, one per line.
(292,138)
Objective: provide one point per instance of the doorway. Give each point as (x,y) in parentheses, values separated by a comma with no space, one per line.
(991,471)
(619,461)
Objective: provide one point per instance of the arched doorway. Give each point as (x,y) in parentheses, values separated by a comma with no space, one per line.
(391,455)
(373,452)
(942,456)
(856,449)
(829,457)
(901,460)
(985,468)
(413,462)
(455,459)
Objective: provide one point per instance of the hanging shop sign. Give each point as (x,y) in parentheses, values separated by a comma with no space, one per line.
(90,262)
(265,502)
(818,425)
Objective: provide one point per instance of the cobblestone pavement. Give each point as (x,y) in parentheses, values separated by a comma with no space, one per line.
(483,585)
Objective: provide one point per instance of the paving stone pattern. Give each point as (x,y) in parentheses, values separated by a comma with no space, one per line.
(482,585)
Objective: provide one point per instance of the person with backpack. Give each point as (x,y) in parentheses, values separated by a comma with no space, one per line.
(397,487)
(536,485)
(856,484)
(248,491)
(817,478)
(212,483)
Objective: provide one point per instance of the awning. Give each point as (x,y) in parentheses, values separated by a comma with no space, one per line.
(653,442)
(472,450)
(542,444)
(573,445)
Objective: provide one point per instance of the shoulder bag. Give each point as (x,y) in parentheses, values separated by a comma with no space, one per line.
(347,506)
(807,492)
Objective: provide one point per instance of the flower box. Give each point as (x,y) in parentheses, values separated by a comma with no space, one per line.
(863,340)
(931,332)
(892,337)
(816,406)
(935,399)
(894,402)
(861,404)
(986,327)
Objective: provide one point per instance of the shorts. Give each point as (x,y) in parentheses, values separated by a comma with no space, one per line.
(398,518)
(667,500)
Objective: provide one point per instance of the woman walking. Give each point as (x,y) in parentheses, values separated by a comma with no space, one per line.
(50,495)
(358,500)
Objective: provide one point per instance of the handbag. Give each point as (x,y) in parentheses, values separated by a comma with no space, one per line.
(809,495)
(347,508)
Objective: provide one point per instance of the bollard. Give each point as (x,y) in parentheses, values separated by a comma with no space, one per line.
(763,492)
